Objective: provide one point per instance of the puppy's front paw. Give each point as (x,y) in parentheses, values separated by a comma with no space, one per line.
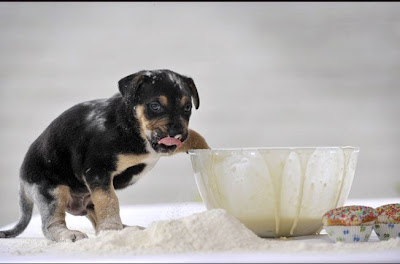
(71,236)
(108,226)
(138,227)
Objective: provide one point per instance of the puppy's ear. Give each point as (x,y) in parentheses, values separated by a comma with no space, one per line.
(193,91)
(129,85)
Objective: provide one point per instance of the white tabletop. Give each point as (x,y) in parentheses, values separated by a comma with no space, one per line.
(10,249)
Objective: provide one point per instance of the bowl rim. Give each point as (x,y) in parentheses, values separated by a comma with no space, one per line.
(213,150)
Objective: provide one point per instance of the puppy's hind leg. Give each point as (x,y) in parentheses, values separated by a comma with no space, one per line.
(52,204)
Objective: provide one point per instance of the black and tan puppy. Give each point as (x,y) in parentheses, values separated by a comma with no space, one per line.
(97,147)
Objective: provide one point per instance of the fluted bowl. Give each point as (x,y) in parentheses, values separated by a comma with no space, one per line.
(276,192)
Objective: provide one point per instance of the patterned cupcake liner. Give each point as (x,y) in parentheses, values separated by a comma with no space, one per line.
(387,231)
(349,233)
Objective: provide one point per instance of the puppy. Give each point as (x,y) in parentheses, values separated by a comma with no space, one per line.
(100,146)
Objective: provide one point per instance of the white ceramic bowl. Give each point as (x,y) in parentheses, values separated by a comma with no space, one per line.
(276,192)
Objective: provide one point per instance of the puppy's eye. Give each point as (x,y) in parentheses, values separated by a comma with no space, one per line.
(154,106)
(187,108)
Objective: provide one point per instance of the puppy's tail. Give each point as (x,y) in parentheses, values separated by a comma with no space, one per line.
(26,207)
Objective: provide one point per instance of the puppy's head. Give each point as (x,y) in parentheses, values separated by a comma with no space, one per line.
(161,101)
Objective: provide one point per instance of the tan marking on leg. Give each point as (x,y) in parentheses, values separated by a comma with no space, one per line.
(125,161)
(92,218)
(62,194)
(194,141)
(106,208)
(56,228)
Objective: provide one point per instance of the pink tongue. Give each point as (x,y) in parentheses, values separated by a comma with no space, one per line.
(170,141)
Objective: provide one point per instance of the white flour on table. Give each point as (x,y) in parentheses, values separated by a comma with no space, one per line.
(209,231)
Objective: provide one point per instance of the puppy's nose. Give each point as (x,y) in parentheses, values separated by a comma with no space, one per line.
(175,131)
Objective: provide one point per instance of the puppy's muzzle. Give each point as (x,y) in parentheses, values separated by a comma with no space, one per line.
(170,142)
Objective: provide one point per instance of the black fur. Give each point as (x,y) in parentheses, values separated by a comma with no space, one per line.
(125,177)
(71,145)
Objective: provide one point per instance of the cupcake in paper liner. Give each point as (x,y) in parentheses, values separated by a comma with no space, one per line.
(352,223)
(349,233)
(388,224)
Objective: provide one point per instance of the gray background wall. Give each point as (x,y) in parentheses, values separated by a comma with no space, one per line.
(268,74)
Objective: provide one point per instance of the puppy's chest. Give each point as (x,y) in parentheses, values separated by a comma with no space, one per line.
(131,167)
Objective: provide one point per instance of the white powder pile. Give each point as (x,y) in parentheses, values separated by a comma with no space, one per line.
(209,231)
(212,230)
